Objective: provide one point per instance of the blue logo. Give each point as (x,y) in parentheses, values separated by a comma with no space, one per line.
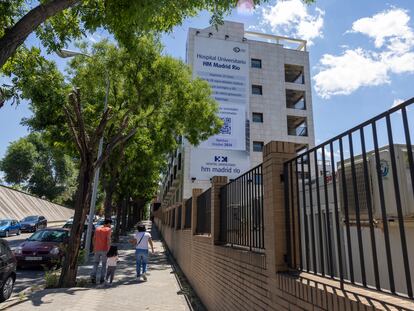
(384,168)
(220,159)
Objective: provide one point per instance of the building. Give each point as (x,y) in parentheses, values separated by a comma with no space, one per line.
(262,83)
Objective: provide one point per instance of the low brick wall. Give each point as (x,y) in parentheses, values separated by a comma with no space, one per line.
(227,278)
(230,279)
(224,278)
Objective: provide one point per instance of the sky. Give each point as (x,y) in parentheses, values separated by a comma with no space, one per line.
(361,57)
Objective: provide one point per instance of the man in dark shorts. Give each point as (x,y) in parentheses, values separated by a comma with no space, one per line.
(101,243)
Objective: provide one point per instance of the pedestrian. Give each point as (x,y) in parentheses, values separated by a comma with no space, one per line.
(141,241)
(111,262)
(102,242)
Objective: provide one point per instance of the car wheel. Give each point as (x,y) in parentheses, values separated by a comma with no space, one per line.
(18,232)
(7,234)
(7,289)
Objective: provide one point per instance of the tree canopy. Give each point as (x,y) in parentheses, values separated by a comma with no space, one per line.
(56,22)
(31,164)
(152,100)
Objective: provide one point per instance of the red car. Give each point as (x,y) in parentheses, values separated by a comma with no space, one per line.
(44,247)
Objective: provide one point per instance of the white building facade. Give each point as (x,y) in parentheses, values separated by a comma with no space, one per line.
(262,84)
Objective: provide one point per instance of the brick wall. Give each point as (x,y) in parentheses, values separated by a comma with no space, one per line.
(227,278)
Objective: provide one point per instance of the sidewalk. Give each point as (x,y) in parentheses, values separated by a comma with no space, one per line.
(160,292)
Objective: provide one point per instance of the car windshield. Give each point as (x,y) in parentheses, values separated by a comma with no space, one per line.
(30,218)
(49,236)
(4,223)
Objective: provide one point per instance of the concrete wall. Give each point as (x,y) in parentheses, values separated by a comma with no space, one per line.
(227,278)
(17,205)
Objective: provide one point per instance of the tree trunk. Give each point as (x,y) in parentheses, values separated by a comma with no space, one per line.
(124,216)
(82,204)
(118,221)
(130,218)
(135,214)
(113,166)
(109,191)
(17,34)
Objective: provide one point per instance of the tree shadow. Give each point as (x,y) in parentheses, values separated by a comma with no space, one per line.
(125,274)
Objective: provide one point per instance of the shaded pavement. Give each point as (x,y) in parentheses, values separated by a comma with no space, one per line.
(160,292)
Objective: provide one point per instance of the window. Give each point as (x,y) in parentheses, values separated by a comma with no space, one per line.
(257,117)
(257,89)
(258,146)
(256,63)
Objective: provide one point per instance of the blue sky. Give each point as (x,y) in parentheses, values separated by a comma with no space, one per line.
(361,57)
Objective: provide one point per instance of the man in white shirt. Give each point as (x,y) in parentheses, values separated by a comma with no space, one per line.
(141,241)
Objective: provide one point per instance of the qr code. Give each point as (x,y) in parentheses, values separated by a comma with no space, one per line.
(226,129)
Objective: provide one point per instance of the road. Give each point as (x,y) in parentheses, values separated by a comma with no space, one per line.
(26,277)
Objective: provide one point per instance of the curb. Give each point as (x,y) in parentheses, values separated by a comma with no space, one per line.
(15,300)
(194,304)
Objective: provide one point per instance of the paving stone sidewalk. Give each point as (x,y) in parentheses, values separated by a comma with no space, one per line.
(160,292)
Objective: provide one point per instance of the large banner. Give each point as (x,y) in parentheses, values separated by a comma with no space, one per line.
(225,65)
(207,163)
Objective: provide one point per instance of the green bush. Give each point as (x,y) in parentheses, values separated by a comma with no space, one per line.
(82,257)
(82,282)
(52,278)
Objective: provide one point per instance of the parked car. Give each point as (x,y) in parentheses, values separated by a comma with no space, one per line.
(44,247)
(7,271)
(32,223)
(68,225)
(9,226)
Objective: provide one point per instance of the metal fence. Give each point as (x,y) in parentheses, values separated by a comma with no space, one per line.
(204,212)
(179,213)
(241,211)
(188,209)
(172,223)
(350,205)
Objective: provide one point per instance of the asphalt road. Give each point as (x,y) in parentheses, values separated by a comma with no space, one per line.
(26,277)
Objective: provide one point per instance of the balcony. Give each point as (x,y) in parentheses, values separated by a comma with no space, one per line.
(294,74)
(297,126)
(295,99)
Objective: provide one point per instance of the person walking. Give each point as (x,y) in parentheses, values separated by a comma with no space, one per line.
(102,243)
(141,241)
(112,256)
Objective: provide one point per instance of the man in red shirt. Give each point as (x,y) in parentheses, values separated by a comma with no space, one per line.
(101,243)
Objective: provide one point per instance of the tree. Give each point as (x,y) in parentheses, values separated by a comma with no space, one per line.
(86,141)
(58,21)
(35,166)
(150,96)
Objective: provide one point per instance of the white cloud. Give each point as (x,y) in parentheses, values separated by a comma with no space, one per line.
(292,18)
(342,75)
(356,68)
(399,63)
(93,37)
(389,28)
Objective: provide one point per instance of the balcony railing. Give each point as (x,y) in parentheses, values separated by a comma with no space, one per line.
(298,131)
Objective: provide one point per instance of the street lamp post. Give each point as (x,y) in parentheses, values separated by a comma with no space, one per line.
(65,54)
